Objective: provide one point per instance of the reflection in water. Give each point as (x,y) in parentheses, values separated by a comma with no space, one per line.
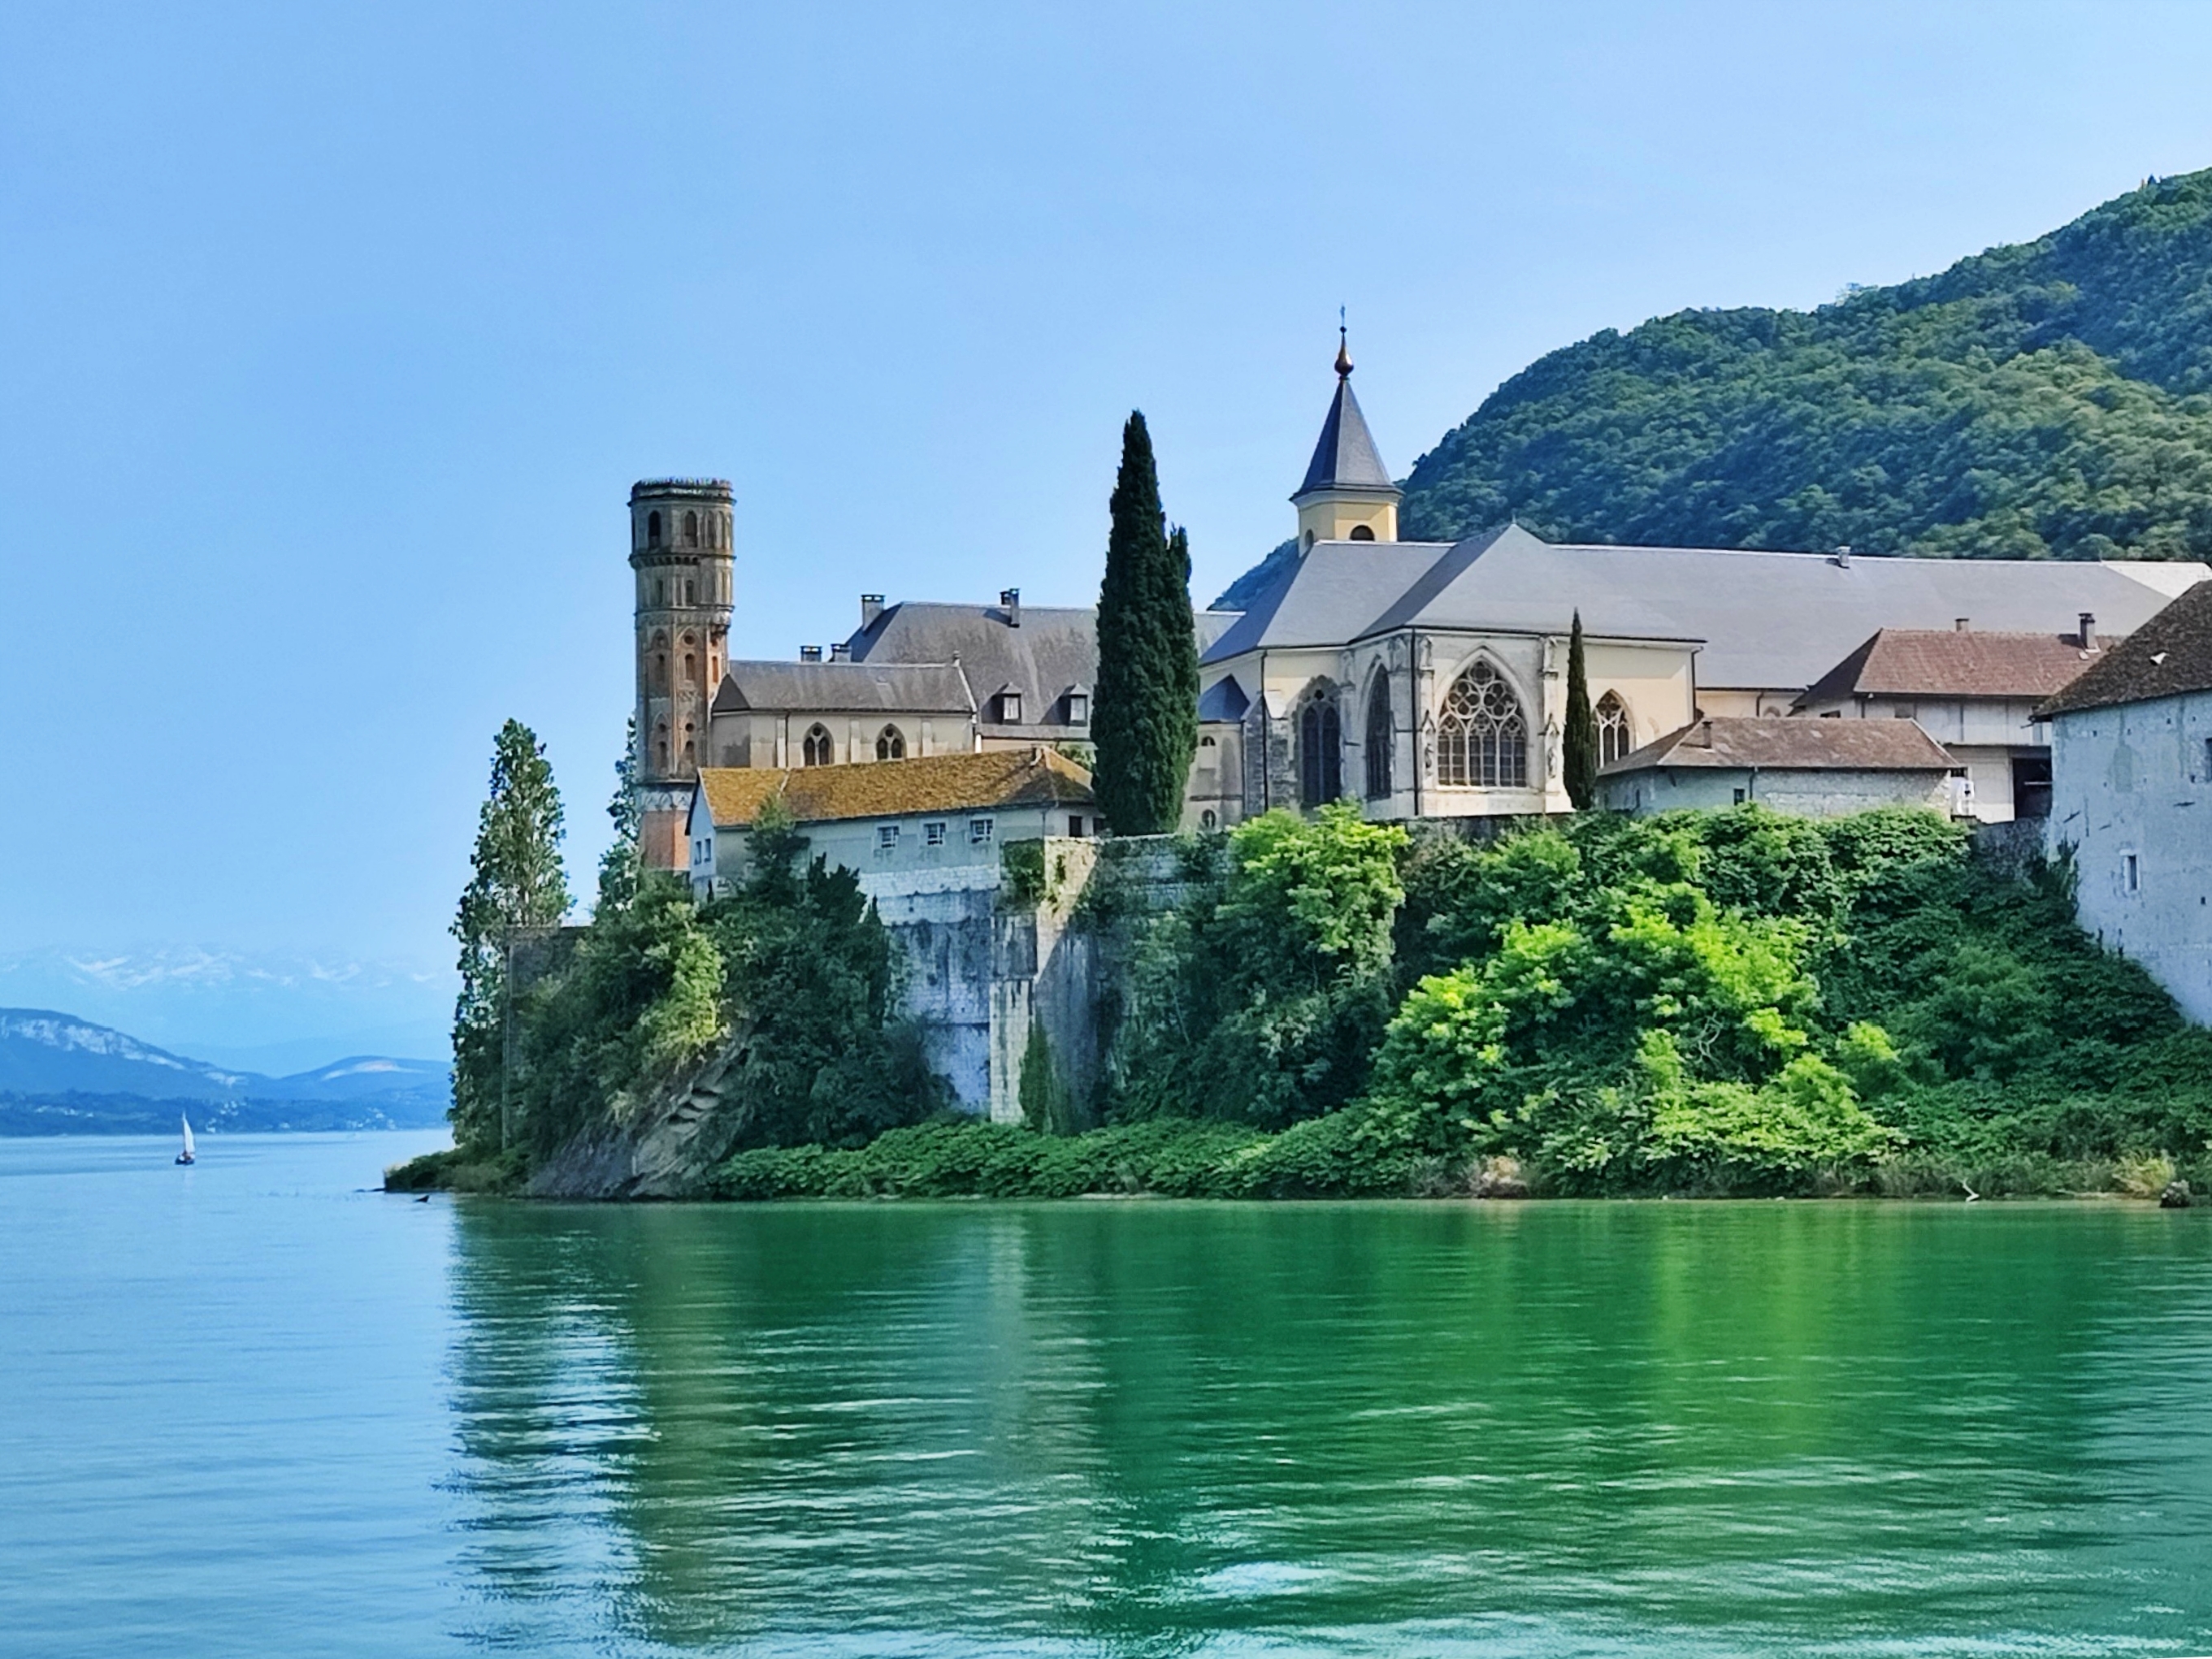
(1154,1428)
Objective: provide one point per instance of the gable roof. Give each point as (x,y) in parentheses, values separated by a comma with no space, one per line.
(1766,621)
(1794,745)
(1224,700)
(1330,594)
(1951,663)
(2167,656)
(1346,458)
(845,687)
(1054,650)
(931,783)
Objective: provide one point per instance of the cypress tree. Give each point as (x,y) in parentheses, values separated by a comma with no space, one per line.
(515,881)
(1581,736)
(1146,717)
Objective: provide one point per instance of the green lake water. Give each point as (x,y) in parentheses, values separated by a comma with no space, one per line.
(251,1408)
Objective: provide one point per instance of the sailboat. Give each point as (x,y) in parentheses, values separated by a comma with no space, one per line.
(186,1157)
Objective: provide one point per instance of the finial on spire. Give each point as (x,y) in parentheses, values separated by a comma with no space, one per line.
(1343,347)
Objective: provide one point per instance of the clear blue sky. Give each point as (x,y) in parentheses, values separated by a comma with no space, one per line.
(333,336)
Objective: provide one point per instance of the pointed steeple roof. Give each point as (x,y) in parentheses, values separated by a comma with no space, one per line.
(1346,458)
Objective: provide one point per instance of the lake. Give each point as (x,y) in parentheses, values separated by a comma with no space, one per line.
(253,1407)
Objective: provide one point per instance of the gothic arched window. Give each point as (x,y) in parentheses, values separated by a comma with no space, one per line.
(891,744)
(1483,737)
(1379,742)
(1320,758)
(688,666)
(660,748)
(653,530)
(660,671)
(817,747)
(690,530)
(1614,738)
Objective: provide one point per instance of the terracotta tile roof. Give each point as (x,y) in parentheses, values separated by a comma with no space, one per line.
(1949,663)
(2168,655)
(879,789)
(1798,744)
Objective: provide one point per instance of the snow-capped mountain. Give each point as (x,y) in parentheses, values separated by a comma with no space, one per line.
(62,1074)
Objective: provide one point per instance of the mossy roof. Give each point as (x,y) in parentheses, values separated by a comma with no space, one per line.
(996,778)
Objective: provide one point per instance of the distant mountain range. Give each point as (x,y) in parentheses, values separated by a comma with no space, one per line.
(62,1075)
(2049,399)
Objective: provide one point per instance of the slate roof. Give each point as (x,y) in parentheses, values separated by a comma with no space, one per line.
(1224,700)
(1767,620)
(1946,663)
(845,687)
(1054,651)
(1346,457)
(1794,744)
(2167,656)
(878,789)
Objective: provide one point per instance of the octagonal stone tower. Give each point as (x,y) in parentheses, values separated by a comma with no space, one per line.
(680,551)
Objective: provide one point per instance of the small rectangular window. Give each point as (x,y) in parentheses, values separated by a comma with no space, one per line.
(979,832)
(887,837)
(933,835)
(1739,797)
(2131,872)
(1075,824)
(2207,760)
(1010,707)
(1079,708)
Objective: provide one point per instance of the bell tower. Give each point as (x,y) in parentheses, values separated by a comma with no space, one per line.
(679,554)
(1347,496)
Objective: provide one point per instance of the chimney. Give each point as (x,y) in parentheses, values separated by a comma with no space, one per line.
(2087,636)
(1843,557)
(1960,624)
(840,654)
(1704,734)
(809,653)
(1009,601)
(871,606)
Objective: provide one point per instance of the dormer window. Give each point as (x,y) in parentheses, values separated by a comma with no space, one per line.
(1010,708)
(1079,708)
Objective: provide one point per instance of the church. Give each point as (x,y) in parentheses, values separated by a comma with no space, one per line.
(1420,679)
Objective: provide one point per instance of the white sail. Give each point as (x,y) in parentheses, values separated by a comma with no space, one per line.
(187,1122)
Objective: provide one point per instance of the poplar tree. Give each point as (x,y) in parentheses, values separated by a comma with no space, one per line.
(620,866)
(1581,736)
(1145,718)
(515,881)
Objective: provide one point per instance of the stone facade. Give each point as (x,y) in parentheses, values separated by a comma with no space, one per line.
(2131,796)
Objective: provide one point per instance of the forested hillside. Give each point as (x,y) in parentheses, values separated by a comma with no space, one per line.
(2048,400)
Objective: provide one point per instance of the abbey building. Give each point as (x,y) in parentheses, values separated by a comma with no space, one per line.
(1419,679)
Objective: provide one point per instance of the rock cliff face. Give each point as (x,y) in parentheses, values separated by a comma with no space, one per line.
(665,1150)
(981,968)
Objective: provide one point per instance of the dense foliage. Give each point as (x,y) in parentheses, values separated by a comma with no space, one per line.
(786,984)
(1727,1002)
(2048,399)
(1263,1001)
(1145,718)
(515,881)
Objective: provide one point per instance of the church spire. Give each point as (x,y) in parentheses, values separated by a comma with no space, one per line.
(1347,495)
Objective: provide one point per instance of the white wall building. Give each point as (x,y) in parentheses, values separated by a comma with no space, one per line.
(906,825)
(1813,768)
(2131,794)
